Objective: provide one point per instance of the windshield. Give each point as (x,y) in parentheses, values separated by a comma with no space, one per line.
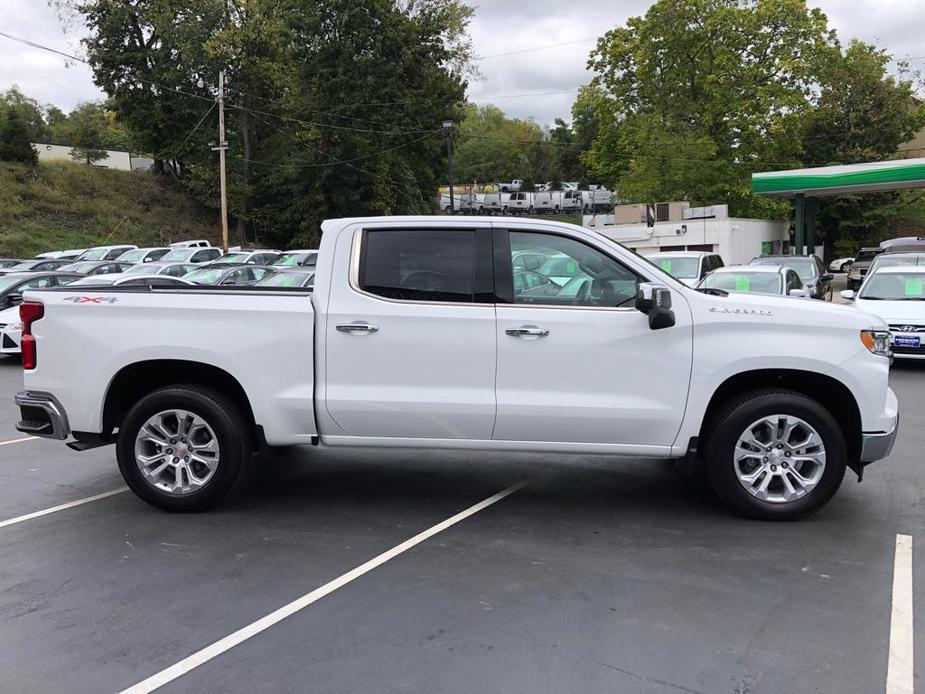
(680,267)
(7,281)
(865,256)
(745,281)
(286,279)
(80,267)
(133,256)
(178,255)
(94,254)
(27,264)
(233,258)
(143,269)
(890,260)
(895,286)
(206,275)
(290,259)
(805,267)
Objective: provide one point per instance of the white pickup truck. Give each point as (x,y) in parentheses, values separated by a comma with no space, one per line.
(433,332)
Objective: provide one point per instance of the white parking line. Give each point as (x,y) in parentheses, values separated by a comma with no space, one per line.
(900,666)
(227,643)
(22,440)
(62,507)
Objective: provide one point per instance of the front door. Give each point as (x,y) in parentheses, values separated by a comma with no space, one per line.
(410,349)
(581,365)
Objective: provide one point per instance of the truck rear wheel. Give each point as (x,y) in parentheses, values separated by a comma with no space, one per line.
(775,455)
(183,448)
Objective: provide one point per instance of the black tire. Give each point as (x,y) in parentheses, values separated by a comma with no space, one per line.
(232,432)
(844,267)
(735,417)
(448,210)
(531,210)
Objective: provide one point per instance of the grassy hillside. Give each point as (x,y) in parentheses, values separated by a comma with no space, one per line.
(67,205)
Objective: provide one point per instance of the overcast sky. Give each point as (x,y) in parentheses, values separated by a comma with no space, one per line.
(499,26)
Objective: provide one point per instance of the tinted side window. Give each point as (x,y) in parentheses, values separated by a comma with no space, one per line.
(420,265)
(717,261)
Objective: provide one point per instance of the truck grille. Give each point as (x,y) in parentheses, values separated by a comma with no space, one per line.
(909,350)
(907,328)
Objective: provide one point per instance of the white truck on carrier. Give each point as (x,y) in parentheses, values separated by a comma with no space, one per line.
(424,332)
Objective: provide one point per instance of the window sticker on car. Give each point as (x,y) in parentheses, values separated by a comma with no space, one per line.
(742,283)
(914,286)
(666,265)
(571,266)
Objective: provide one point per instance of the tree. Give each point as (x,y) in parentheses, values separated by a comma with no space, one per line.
(863,114)
(28,112)
(87,124)
(697,94)
(15,144)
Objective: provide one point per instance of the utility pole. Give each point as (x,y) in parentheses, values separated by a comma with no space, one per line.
(221,147)
(448,129)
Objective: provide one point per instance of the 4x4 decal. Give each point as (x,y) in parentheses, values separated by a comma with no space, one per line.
(91,299)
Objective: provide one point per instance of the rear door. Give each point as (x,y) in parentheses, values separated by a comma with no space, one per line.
(410,338)
(582,365)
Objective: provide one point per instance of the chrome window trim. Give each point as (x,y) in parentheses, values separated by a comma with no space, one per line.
(354,283)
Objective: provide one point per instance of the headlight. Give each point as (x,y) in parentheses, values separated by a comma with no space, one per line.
(15,327)
(877,341)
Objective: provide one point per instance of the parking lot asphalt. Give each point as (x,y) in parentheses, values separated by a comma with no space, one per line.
(597,576)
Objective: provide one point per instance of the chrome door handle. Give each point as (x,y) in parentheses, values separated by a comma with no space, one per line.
(528,331)
(364,328)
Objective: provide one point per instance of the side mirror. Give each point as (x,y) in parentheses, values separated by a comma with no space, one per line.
(13,299)
(655,300)
(797,292)
(847,294)
(827,277)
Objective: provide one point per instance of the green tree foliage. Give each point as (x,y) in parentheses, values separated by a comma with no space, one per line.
(863,114)
(28,112)
(15,143)
(86,126)
(697,94)
(334,107)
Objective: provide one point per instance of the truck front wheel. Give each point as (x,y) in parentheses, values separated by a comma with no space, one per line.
(775,455)
(183,448)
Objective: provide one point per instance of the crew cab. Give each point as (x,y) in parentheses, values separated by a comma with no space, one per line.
(416,336)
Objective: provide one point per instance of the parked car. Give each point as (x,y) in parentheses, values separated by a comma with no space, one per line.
(861,265)
(71,254)
(105,252)
(194,243)
(810,269)
(289,278)
(13,285)
(96,267)
(761,279)
(840,265)
(195,255)
(240,275)
(156,281)
(10,331)
(512,187)
(904,244)
(262,257)
(518,203)
(296,259)
(688,266)
(37,265)
(894,260)
(896,294)
(6,263)
(657,369)
(143,255)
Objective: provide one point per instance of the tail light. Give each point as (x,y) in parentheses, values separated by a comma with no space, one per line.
(29,312)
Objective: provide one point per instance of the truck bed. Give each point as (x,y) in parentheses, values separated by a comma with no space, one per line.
(261,338)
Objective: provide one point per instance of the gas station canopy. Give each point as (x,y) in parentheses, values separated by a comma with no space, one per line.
(875,177)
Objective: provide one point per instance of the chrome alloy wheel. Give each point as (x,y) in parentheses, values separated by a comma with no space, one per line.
(779,458)
(177,452)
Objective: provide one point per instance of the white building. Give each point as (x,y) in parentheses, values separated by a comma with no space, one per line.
(115,159)
(679,227)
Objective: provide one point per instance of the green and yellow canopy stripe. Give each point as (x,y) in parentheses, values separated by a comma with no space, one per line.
(899,174)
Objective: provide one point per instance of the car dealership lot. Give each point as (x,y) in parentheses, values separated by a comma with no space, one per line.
(596,576)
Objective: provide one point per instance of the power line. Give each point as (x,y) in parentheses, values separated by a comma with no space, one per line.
(179,149)
(538,48)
